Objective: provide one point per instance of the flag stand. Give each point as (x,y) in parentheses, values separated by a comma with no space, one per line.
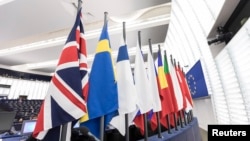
(184,116)
(169,127)
(180,119)
(175,122)
(188,117)
(63,136)
(126,127)
(145,127)
(191,115)
(159,125)
(102,129)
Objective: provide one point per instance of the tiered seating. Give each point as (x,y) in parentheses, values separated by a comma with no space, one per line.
(25,109)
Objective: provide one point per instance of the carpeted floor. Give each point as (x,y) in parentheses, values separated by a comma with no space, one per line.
(203,134)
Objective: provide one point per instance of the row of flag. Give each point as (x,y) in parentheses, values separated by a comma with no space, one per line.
(107,93)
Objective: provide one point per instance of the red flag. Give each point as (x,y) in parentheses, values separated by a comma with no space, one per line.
(181,83)
(165,95)
(188,94)
(139,123)
(171,88)
(185,88)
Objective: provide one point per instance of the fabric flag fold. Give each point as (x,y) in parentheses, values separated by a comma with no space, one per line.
(142,83)
(196,81)
(182,87)
(154,89)
(171,88)
(145,101)
(127,94)
(170,83)
(103,95)
(176,88)
(64,102)
(165,93)
(187,100)
(190,103)
(153,86)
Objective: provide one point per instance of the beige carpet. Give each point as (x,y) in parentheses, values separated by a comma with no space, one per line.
(203,134)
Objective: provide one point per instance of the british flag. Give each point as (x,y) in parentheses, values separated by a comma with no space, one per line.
(65,101)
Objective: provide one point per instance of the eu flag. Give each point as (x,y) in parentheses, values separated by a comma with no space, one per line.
(196,81)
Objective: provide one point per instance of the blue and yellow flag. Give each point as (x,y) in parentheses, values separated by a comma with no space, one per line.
(103,95)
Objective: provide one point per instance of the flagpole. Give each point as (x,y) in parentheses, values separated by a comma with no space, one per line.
(191,115)
(186,114)
(191,111)
(175,120)
(139,39)
(64,127)
(63,130)
(79,6)
(126,115)
(168,116)
(183,111)
(144,115)
(176,114)
(102,117)
(180,117)
(150,47)
(124,31)
(102,129)
(168,121)
(157,113)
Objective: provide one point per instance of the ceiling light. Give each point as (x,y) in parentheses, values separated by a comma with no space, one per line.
(2,2)
(33,46)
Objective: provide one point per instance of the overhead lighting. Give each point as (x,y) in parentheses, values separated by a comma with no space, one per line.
(138,25)
(90,58)
(2,2)
(33,46)
(160,20)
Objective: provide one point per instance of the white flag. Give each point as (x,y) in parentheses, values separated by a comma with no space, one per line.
(127,96)
(153,86)
(142,83)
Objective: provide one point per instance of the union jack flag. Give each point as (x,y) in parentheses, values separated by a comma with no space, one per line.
(65,101)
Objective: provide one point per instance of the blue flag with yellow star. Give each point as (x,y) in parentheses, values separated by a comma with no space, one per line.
(196,81)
